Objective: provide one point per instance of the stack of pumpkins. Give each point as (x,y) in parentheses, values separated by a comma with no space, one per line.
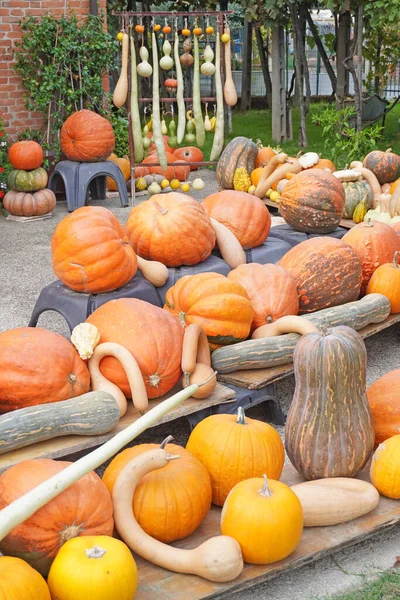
(28,195)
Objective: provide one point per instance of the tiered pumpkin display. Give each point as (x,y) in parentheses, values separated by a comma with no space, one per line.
(384,165)
(219,305)
(313,201)
(28,195)
(245,215)
(240,153)
(384,401)
(327,272)
(124,165)
(85,508)
(18,581)
(375,244)
(91,251)
(386,280)
(385,468)
(152,336)
(171,228)
(272,291)
(233,448)
(87,137)
(329,429)
(178,495)
(38,366)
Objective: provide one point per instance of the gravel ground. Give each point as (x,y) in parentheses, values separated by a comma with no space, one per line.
(26,269)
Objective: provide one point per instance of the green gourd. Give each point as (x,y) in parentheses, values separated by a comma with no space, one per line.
(190,137)
(172,140)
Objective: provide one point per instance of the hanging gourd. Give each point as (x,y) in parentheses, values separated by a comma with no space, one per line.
(186,59)
(138,144)
(198,115)
(121,89)
(164,129)
(166,63)
(185,30)
(209,29)
(230,94)
(208,68)
(171,85)
(166,29)
(207,122)
(190,137)
(156,28)
(173,140)
(144,68)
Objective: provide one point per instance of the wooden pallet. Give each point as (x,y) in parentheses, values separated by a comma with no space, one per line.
(259,378)
(158,584)
(71,444)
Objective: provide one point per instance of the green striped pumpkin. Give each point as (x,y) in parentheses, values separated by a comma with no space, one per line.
(355,192)
(27,181)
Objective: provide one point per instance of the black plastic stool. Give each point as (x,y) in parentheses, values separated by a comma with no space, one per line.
(76,307)
(80,177)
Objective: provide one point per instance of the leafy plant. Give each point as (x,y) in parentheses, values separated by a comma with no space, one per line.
(119,121)
(5,166)
(342,143)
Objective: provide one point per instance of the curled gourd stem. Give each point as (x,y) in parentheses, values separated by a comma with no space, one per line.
(287,324)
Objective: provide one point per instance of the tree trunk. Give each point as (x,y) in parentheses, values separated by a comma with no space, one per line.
(263,52)
(305,69)
(341,54)
(349,65)
(298,54)
(377,66)
(327,64)
(245,101)
(281,125)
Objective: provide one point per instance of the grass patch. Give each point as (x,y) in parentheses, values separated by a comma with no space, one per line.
(387,587)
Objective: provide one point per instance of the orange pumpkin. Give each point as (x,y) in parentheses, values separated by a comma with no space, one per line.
(396,227)
(87,137)
(190,154)
(375,244)
(219,305)
(384,401)
(85,508)
(385,468)
(37,367)
(272,291)
(26,155)
(179,494)
(255,175)
(125,167)
(386,281)
(91,252)
(264,156)
(384,165)
(244,214)
(180,172)
(18,581)
(153,337)
(166,145)
(171,228)
(325,163)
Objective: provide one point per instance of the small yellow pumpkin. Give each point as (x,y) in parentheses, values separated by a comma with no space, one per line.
(98,567)
(385,468)
(19,581)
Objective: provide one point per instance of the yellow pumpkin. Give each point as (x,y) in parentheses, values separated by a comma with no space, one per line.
(385,468)
(89,567)
(265,518)
(19,581)
(124,165)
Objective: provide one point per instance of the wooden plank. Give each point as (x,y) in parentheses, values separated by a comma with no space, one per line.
(158,584)
(259,378)
(64,446)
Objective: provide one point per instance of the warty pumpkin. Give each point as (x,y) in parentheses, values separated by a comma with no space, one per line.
(170,503)
(125,167)
(273,525)
(385,468)
(327,272)
(239,153)
(152,336)
(329,430)
(25,155)
(244,214)
(38,367)
(27,181)
(313,201)
(384,165)
(272,291)
(234,448)
(384,402)
(171,228)
(91,251)
(386,280)
(98,567)
(85,508)
(26,204)
(87,137)
(18,581)
(220,306)
(375,244)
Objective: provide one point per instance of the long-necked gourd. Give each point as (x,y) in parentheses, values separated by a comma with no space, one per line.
(156,119)
(121,89)
(135,114)
(230,94)
(166,62)
(218,142)
(180,102)
(144,68)
(198,115)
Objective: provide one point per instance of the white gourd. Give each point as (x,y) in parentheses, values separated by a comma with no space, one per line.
(144,68)
(208,68)
(308,160)
(166,63)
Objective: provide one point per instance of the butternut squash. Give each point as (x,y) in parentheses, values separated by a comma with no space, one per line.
(218,559)
(121,89)
(335,500)
(153,271)
(276,161)
(195,349)
(228,244)
(279,173)
(288,324)
(230,94)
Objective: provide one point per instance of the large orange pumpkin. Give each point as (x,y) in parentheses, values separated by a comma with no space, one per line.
(327,273)
(18,581)
(180,172)
(153,337)
(25,155)
(385,165)
(85,508)
(264,156)
(325,163)
(384,401)
(125,167)
(313,201)
(91,251)
(245,215)
(375,244)
(220,305)
(171,228)
(87,137)
(170,503)
(190,154)
(37,367)
(272,291)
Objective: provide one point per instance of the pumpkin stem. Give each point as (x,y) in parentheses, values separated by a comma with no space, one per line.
(182,318)
(187,379)
(241,420)
(154,380)
(167,440)
(370,223)
(324,329)
(163,211)
(71,378)
(265,491)
(95,552)
(396,260)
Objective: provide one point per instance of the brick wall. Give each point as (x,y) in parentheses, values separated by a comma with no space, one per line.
(12,104)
